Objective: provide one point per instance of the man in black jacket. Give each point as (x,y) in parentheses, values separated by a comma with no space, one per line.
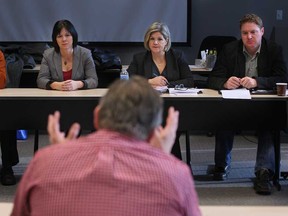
(251,63)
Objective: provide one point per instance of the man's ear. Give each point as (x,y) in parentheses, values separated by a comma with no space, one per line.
(262,30)
(96,117)
(151,135)
(153,139)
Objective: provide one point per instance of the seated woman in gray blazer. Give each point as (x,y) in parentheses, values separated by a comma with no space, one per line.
(67,66)
(161,65)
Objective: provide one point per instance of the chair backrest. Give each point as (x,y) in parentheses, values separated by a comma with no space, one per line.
(211,42)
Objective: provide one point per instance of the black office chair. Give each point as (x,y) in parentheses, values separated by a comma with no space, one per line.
(215,42)
(212,42)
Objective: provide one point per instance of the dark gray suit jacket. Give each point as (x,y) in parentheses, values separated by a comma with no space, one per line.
(83,68)
(231,62)
(178,71)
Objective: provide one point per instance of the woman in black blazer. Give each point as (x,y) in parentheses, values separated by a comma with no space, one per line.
(161,65)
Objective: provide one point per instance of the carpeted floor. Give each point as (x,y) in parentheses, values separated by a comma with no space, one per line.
(237,190)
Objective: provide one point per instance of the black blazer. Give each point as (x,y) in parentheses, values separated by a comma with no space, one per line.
(231,62)
(177,68)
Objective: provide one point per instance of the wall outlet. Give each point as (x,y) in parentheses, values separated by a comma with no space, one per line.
(279,14)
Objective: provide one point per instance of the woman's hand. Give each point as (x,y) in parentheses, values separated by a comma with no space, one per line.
(71,85)
(158,81)
(68,85)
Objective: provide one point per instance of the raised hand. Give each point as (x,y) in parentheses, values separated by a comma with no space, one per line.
(164,138)
(53,128)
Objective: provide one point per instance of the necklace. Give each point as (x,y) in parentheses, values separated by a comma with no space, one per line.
(159,62)
(68,55)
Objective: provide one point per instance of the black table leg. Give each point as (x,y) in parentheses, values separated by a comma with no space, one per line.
(188,152)
(277,149)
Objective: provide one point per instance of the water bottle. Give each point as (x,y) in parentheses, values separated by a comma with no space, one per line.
(124,75)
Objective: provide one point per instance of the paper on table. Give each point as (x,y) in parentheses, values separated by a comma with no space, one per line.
(161,88)
(188,91)
(236,94)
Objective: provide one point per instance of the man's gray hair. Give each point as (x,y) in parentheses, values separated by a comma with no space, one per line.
(131,107)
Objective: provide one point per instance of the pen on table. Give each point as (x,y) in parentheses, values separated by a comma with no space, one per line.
(168,84)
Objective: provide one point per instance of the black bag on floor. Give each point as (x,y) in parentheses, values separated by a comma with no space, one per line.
(14,66)
(105,59)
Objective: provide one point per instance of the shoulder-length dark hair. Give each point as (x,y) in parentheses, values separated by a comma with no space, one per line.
(58,26)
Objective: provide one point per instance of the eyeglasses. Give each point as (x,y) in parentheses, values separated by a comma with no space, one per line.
(180,87)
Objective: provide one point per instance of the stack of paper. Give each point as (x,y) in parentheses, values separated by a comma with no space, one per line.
(236,94)
(184,91)
(161,88)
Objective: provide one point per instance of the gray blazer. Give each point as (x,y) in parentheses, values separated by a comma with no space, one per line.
(83,68)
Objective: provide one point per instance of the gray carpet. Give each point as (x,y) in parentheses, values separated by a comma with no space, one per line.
(237,190)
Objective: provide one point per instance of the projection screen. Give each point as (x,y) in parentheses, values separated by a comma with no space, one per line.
(94,20)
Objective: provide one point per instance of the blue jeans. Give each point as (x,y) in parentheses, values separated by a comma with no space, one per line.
(265,151)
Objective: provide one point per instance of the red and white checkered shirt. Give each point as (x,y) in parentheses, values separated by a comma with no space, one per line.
(106,173)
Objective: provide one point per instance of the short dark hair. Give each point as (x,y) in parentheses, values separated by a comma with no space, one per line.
(252,18)
(131,107)
(58,26)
